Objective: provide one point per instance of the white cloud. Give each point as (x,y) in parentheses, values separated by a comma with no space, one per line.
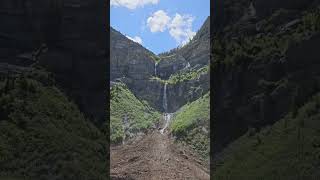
(180,28)
(136,39)
(132,4)
(158,22)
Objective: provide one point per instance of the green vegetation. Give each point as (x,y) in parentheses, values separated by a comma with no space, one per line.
(288,150)
(155,58)
(167,57)
(44,135)
(189,75)
(233,51)
(170,53)
(153,78)
(191,125)
(183,76)
(140,116)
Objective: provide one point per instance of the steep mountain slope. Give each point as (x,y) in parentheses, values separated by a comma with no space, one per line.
(133,65)
(185,70)
(197,51)
(129,59)
(53,89)
(195,54)
(253,74)
(56,34)
(191,124)
(128,115)
(287,150)
(191,81)
(43,134)
(265,67)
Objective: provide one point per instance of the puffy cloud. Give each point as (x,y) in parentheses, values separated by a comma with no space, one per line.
(136,39)
(132,4)
(180,28)
(158,22)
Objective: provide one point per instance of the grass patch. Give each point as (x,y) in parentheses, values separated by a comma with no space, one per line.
(187,76)
(155,58)
(124,105)
(183,76)
(288,150)
(44,135)
(191,125)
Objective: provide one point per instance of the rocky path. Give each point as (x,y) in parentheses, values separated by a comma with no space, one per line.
(155,157)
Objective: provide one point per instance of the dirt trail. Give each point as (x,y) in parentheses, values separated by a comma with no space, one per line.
(155,157)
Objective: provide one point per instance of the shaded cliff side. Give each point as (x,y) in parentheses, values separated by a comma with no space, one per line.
(55,34)
(265,67)
(52,88)
(257,77)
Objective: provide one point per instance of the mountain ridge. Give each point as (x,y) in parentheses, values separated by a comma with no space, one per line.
(138,68)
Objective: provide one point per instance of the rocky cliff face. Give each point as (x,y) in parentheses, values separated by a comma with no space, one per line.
(182,93)
(56,35)
(194,54)
(170,64)
(137,67)
(129,59)
(134,65)
(197,51)
(259,77)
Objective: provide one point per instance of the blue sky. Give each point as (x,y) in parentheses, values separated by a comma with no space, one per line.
(159,25)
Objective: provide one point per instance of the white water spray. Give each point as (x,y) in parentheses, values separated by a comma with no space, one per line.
(155,69)
(188,65)
(164,100)
(167,116)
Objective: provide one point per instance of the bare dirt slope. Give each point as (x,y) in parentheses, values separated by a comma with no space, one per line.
(155,157)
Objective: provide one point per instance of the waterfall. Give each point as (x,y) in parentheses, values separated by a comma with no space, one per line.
(188,65)
(164,102)
(252,10)
(167,116)
(155,69)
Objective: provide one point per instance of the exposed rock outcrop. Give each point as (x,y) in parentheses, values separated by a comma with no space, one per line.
(133,64)
(196,53)
(129,59)
(170,64)
(182,93)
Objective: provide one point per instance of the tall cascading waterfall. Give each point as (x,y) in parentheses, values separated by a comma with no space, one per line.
(164,100)
(155,69)
(167,116)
